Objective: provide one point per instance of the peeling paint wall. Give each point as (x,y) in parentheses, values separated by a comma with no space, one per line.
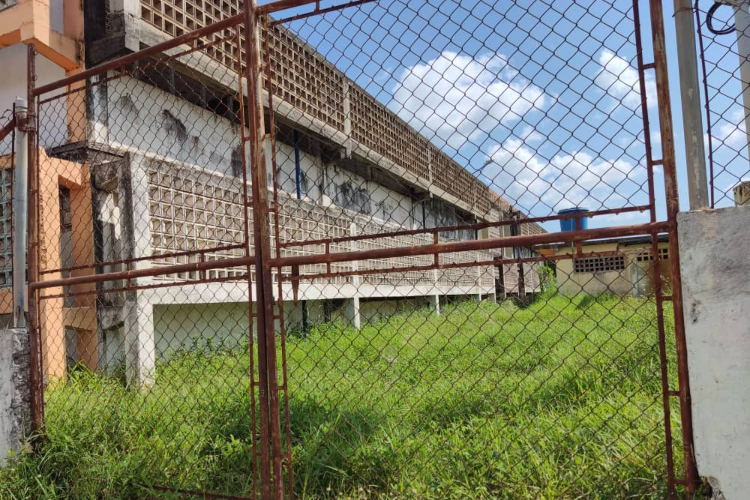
(15,401)
(716,295)
(438,213)
(164,125)
(311,168)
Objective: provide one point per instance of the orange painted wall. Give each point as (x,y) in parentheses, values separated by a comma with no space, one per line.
(80,314)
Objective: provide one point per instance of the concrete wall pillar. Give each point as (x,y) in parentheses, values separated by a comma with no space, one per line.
(435,303)
(351,311)
(138,312)
(716,297)
(15,395)
(125,17)
(435,299)
(140,347)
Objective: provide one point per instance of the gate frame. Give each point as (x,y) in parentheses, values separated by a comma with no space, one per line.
(271,456)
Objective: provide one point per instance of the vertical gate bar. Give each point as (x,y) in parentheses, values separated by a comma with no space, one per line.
(12,193)
(644,110)
(270,451)
(277,231)
(673,206)
(246,223)
(35,342)
(260,230)
(664,365)
(663,362)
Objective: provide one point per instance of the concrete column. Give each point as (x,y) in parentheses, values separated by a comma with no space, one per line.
(352,305)
(435,299)
(716,299)
(140,344)
(482,234)
(435,303)
(478,295)
(125,16)
(135,214)
(15,395)
(351,312)
(140,347)
(347,120)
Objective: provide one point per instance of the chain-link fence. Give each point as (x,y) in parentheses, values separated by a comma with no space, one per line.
(396,250)
(7,164)
(724,48)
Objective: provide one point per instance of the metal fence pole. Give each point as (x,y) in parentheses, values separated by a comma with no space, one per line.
(673,205)
(692,127)
(20,205)
(742,25)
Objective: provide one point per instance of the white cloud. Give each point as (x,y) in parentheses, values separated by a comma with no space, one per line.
(455,98)
(458,98)
(732,131)
(533,183)
(620,81)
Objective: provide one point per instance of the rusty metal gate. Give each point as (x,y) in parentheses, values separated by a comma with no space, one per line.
(312,250)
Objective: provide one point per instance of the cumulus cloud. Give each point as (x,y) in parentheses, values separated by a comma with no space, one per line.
(455,98)
(620,81)
(534,182)
(732,132)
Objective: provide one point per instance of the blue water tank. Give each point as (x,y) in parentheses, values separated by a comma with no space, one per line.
(570,224)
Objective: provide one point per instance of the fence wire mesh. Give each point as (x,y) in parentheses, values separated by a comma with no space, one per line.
(724,48)
(357,263)
(7,163)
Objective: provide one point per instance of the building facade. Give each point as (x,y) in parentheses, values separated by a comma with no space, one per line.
(619,266)
(158,181)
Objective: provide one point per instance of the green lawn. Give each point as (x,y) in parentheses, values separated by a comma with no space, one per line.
(559,400)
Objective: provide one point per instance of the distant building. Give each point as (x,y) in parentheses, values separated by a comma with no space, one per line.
(742,193)
(621,266)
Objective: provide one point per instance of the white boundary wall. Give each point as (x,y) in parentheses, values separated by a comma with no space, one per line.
(715,266)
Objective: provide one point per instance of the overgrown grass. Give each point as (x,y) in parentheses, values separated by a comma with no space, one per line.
(559,400)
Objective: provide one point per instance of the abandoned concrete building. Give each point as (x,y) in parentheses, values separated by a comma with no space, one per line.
(149,163)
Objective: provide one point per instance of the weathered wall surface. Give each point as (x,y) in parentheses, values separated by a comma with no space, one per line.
(15,402)
(716,286)
(13,84)
(635,278)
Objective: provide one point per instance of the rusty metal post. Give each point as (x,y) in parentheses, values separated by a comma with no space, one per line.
(270,428)
(285,459)
(35,341)
(246,243)
(673,206)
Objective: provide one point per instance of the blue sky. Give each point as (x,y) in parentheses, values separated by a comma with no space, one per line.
(539,99)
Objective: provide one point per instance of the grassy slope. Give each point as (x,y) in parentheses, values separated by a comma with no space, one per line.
(558,400)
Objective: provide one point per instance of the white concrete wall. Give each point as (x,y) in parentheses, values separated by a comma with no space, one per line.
(178,328)
(716,286)
(226,326)
(145,118)
(355,193)
(310,166)
(52,115)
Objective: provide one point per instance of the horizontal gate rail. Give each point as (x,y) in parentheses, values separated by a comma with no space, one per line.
(466,246)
